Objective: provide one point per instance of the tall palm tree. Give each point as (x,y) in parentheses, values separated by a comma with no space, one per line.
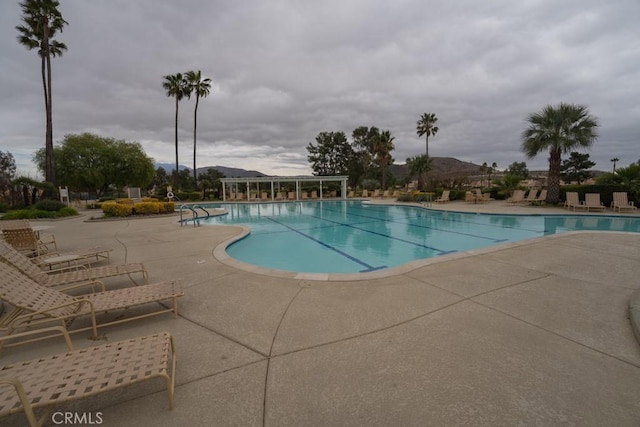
(427,126)
(615,160)
(41,21)
(382,147)
(560,130)
(419,166)
(176,87)
(201,88)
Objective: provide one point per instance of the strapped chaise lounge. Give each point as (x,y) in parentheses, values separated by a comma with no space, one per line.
(44,382)
(444,198)
(517,197)
(573,201)
(621,202)
(34,304)
(26,241)
(592,202)
(541,199)
(79,276)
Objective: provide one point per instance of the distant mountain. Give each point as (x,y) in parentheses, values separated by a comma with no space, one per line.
(441,166)
(227,172)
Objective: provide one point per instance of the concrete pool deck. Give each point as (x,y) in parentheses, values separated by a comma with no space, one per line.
(536,333)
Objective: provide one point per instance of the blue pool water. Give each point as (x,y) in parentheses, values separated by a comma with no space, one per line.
(351,237)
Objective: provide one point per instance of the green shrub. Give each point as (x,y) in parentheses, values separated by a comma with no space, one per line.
(116,209)
(49,205)
(147,208)
(4,207)
(28,214)
(168,207)
(67,211)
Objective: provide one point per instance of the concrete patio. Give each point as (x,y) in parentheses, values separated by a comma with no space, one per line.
(532,333)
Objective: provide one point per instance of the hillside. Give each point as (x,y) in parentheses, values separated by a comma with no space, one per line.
(442,166)
(227,172)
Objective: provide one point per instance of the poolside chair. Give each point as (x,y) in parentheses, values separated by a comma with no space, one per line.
(27,241)
(291,195)
(541,199)
(79,276)
(531,196)
(365,193)
(516,197)
(264,196)
(305,195)
(35,305)
(376,193)
(14,223)
(48,381)
(478,197)
(314,194)
(469,197)
(621,202)
(396,194)
(444,198)
(592,202)
(573,202)
(385,194)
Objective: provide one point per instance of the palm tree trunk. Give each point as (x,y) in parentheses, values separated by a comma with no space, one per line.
(553,179)
(177,180)
(49,133)
(427,146)
(50,174)
(195,127)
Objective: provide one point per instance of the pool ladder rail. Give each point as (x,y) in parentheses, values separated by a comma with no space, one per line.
(194,213)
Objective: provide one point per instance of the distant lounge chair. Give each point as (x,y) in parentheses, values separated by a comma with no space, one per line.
(469,197)
(305,195)
(396,194)
(541,199)
(365,193)
(444,198)
(531,196)
(264,196)
(351,194)
(386,194)
(35,305)
(573,202)
(478,197)
(48,381)
(376,193)
(592,202)
(621,202)
(516,197)
(27,241)
(79,276)
(291,195)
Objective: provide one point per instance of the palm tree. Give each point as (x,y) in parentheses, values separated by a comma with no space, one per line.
(201,87)
(615,160)
(175,85)
(419,166)
(483,170)
(427,126)
(560,130)
(382,148)
(41,21)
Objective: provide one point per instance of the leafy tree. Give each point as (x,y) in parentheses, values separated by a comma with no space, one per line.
(419,166)
(201,87)
(518,169)
(175,86)
(332,154)
(89,162)
(160,179)
(575,168)
(427,126)
(559,130)
(41,21)
(7,172)
(364,140)
(209,180)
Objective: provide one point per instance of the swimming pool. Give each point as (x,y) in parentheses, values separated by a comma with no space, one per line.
(355,237)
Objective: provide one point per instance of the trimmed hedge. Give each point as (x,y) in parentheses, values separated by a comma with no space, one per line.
(114,209)
(39,213)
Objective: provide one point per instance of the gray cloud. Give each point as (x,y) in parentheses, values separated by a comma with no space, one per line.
(285,70)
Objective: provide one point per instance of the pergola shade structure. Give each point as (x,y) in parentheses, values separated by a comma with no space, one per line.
(268,184)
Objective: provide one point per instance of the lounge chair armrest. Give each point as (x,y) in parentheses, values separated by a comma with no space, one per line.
(24,400)
(62,330)
(24,319)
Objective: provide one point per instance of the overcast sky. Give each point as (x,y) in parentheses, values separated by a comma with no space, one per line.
(285,70)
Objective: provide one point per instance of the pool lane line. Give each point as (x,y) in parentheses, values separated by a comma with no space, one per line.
(440,251)
(344,254)
(428,228)
(441,216)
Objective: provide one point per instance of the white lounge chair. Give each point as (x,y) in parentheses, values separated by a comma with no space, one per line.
(621,202)
(444,198)
(573,201)
(592,202)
